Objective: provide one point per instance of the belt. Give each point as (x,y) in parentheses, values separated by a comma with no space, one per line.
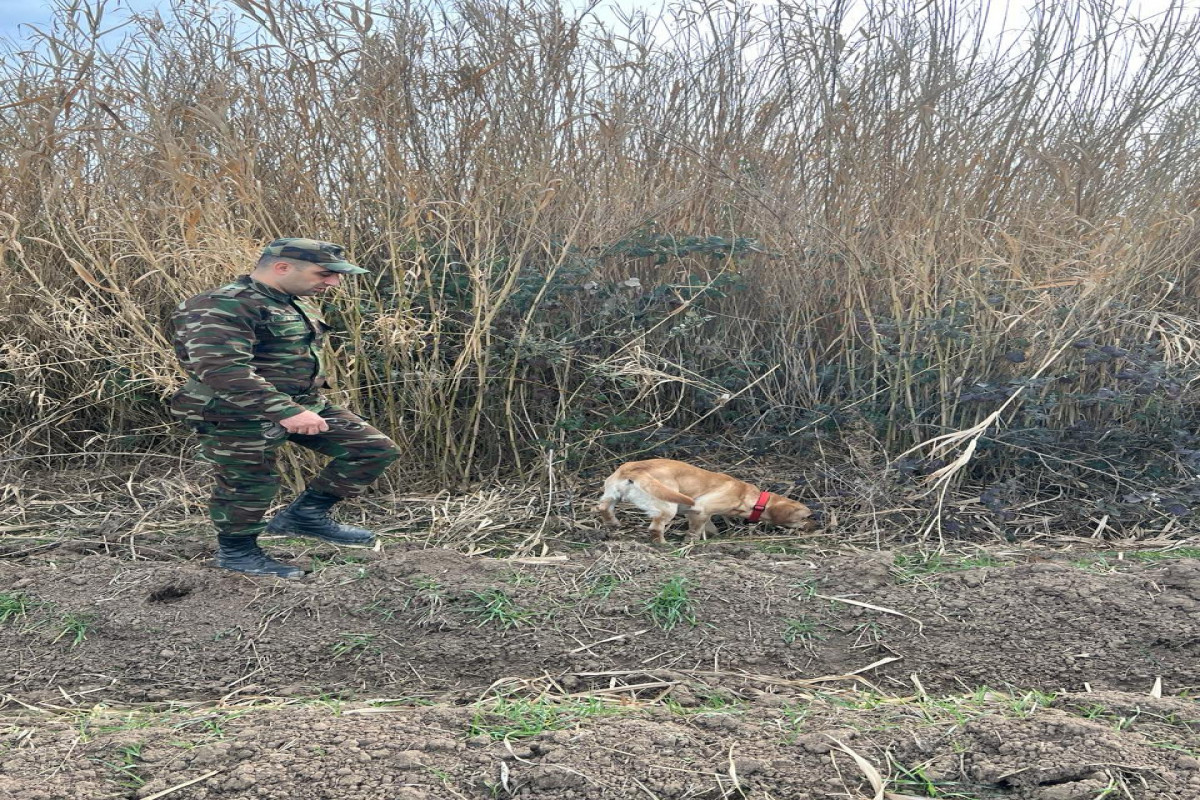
(198,389)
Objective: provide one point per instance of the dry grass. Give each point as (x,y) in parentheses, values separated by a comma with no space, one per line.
(901,229)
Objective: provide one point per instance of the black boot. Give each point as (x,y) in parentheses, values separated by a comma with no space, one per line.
(242,554)
(308,515)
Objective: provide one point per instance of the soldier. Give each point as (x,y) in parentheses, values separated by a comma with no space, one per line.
(251,351)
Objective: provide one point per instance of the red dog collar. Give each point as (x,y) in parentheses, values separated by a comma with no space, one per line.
(759,507)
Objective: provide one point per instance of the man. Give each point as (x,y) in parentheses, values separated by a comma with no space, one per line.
(251,351)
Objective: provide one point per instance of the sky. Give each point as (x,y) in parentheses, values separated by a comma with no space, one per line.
(15,13)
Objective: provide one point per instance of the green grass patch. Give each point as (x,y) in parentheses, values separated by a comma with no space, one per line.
(12,606)
(710,703)
(911,566)
(99,723)
(495,607)
(211,724)
(671,605)
(915,781)
(861,701)
(520,718)
(355,646)
(602,585)
(1031,701)
(807,590)
(74,628)
(1111,561)
(794,721)
(518,578)
(800,630)
(1096,564)
(320,562)
(126,768)
(1177,748)
(426,600)
(1154,556)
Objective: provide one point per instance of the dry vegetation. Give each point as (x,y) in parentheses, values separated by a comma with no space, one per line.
(828,240)
(936,281)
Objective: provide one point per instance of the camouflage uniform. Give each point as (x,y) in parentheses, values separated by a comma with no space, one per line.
(252,356)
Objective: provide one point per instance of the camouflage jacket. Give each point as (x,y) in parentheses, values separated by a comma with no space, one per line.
(250,351)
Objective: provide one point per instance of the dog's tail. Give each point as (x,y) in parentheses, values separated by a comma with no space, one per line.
(664,492)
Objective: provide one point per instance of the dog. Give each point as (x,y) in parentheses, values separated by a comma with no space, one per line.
(662,487)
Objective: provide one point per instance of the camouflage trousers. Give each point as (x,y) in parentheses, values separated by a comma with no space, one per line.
(243,456)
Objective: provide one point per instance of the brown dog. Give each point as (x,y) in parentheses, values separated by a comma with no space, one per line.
(661,487)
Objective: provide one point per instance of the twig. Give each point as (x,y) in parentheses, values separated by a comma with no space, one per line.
(881,609)
(183,785)
(618,637)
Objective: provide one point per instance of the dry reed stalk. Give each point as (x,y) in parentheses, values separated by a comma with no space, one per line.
(924,202)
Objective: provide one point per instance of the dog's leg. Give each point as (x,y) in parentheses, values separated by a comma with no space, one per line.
(710,528)
(698,522)
(659,520)
(605,510)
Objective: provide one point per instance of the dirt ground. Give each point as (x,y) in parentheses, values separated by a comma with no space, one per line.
(131,668)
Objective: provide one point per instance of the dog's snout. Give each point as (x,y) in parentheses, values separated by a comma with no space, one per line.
(803,519)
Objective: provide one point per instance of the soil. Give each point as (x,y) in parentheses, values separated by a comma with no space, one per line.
(134,669)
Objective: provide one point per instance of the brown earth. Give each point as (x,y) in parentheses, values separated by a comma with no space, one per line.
(132,668)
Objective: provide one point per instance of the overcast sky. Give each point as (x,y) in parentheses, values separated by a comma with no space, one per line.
(14,13)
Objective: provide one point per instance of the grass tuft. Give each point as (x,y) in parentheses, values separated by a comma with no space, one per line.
(355,645)
(495,607)
(800,630)
(672,605)
(521,718)
(74,626)
(12,606)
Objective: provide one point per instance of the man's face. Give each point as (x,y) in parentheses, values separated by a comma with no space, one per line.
(307,280)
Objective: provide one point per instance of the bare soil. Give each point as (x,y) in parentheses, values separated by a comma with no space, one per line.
(131,668)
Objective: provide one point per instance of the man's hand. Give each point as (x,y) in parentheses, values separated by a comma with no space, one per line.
(306,422)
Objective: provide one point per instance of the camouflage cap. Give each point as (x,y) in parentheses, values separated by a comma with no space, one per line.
(327,254)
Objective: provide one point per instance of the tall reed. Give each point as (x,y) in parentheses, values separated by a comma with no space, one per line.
(595,236)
